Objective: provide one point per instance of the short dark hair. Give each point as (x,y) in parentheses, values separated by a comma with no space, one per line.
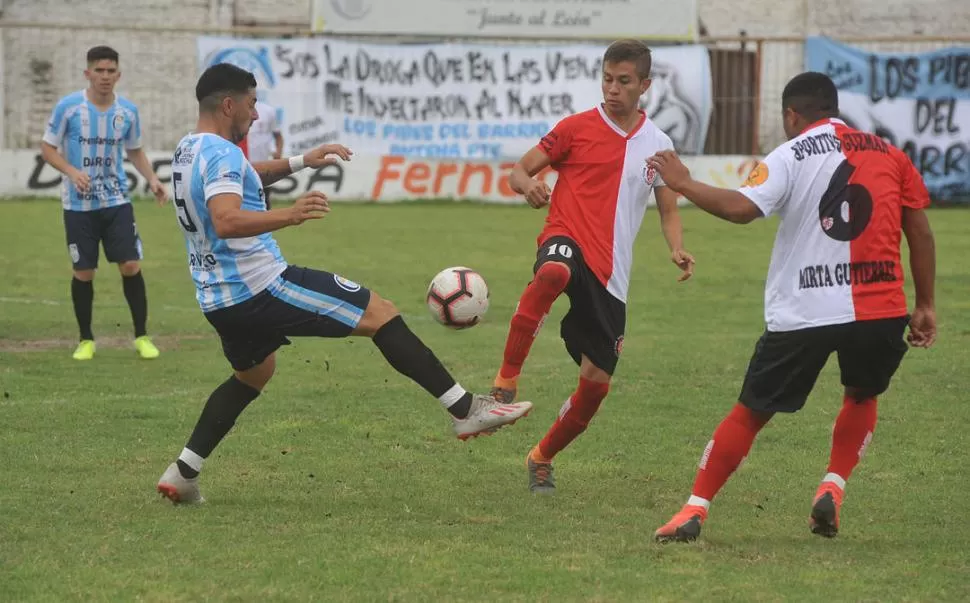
(812,95)
(102,53)
(633,51)
(222,80)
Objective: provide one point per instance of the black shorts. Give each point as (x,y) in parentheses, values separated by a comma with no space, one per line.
(786,365)
(307,303)
(113,227)
(596,320)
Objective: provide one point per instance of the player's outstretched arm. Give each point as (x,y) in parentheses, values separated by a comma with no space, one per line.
(522,180)
(277,169)
(232,222)
(922,264)
(673,230)
(724,203)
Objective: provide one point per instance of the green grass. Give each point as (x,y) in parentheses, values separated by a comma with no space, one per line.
(343,482)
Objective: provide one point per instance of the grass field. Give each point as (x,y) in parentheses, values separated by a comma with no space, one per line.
(343,481)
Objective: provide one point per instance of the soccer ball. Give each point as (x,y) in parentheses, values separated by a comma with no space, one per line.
(458,297)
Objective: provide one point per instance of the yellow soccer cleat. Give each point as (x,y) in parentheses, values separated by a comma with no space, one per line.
(146,349)
(84,350)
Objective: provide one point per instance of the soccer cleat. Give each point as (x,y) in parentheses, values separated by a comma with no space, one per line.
(685,526)
(502,395)
(146,349)
(486,416)
(179,489)
(84,350)
(824,519)
(541,480)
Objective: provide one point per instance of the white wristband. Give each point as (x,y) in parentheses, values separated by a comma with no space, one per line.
(296,164)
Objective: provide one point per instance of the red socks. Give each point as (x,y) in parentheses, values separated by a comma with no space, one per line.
(851,435)
(574,417)
(729,445)
(549,282)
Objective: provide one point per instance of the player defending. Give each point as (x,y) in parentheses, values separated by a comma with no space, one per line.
(586,247)
(255,300)
(835,284)
(91,127)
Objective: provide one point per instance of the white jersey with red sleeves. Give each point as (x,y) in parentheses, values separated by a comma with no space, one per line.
(602,189)
(840,194)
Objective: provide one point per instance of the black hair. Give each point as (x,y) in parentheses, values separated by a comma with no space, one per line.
(102,53)
(633,51)
(222,80)
(812,95)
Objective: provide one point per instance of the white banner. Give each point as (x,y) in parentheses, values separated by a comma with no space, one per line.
(365,178)
(563,19)
(454,101)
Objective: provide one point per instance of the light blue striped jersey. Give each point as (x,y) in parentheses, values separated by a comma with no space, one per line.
(91,141)
(226,271)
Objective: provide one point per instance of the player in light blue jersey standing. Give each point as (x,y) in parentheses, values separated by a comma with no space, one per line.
(85,138)
(255,300)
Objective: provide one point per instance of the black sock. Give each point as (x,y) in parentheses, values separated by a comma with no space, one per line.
(134,287)
(410,357)
(219,415)
(82,294)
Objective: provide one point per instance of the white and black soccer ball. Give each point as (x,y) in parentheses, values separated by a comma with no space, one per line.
(458,297)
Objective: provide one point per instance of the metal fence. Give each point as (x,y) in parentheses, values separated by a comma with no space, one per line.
(41,63)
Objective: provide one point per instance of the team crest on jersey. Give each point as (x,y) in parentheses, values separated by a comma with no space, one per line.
(827,223)
(118,121)
(346,284)
(758,175)
(649,173)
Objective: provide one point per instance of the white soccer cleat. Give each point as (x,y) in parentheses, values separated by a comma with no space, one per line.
(486,416)
(178,489)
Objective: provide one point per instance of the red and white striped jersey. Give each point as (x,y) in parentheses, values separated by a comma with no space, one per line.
(840,194)
(602,189)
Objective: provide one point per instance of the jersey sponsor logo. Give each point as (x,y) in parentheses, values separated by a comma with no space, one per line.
(202,261)
(118,121)
(183,155)
(649,173)
(758,175)
(346,284)
(98,140)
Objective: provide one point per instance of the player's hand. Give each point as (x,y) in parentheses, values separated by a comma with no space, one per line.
(311,206)
(158,189)
(922,328)
(671,169)
(537,193)
(81,181)
(324,155)
(685,261)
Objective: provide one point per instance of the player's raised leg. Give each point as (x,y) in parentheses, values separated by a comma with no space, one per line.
(472,414)
(550,280)
(574,418)
(180,482)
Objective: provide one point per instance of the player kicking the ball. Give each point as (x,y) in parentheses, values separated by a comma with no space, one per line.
(586,247)
(255,300)
(835,284)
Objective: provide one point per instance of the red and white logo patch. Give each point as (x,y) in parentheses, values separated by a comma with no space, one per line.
(649,173)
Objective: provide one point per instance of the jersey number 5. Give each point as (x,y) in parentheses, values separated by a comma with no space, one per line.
(845,209)
(180,210)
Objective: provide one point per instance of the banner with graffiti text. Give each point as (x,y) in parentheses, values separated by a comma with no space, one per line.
(918,102)
(385,178)
(452,101)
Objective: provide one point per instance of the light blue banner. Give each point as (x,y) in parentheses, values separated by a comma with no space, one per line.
(919,102)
